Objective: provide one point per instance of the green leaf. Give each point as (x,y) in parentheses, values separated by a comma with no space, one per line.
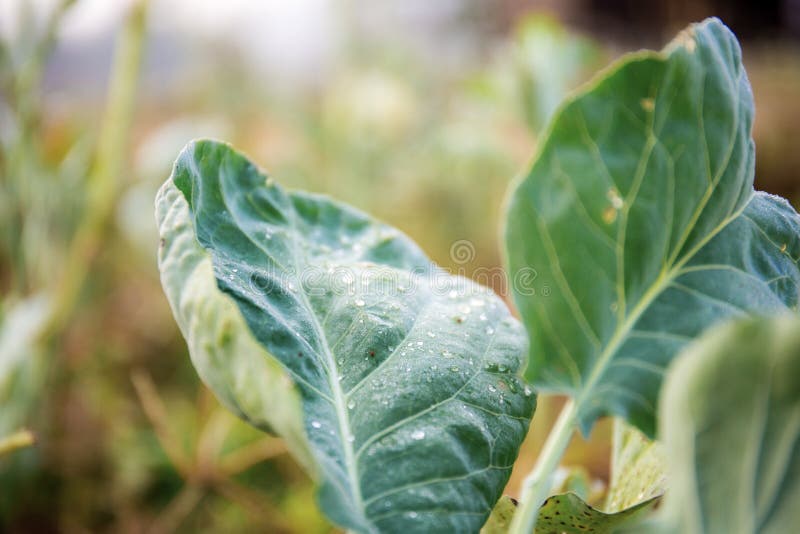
(637,468)
(639,228)
(567,513)
(730,420)
(397,378)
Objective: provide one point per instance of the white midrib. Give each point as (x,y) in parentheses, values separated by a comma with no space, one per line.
(341,409)
(343,419)
(339,403)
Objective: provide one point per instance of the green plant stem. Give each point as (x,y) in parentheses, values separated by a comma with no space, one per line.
(103,183)
(537,484)
(17,440)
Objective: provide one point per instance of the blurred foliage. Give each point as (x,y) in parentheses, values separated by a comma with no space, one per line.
(91,362)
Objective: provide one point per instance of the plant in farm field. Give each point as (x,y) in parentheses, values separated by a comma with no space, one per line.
(401,388)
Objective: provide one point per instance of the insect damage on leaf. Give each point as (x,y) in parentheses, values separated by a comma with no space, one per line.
(568,514)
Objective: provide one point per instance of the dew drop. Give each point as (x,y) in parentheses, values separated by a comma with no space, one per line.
(431,334)
(316,424)
(492,388)
(351,405)
(351,438)
(489,330)
(527,391)
(358,302)
(482,317)
(417,435)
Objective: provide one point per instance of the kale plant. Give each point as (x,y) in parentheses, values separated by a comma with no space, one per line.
(401,388)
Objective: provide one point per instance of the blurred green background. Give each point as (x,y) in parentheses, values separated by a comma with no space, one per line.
(418,112)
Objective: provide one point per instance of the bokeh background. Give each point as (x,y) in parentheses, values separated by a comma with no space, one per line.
(419,112)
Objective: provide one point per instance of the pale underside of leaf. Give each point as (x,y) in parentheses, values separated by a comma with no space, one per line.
(640,216)
(411,407)
(256,388)
(730,420)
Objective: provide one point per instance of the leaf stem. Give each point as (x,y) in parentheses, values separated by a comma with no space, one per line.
(537,483)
